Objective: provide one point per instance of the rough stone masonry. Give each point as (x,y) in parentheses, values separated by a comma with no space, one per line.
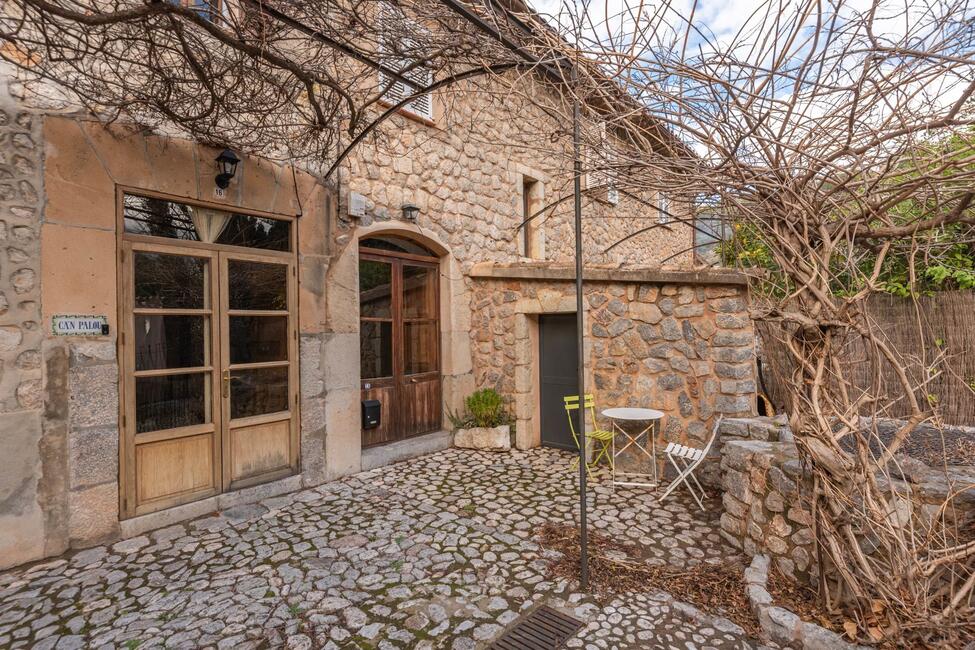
(685,349)
(31,483)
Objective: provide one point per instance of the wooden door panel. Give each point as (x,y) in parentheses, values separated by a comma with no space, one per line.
(177,298)
(387,420)
(169,472)
(259,449)
(259,362)
(170,440)
(399,311)
(421,406)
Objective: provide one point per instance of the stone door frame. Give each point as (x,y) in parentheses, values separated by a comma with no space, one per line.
(527,393)
(343,439)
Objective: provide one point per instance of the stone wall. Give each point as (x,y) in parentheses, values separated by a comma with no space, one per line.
(763,509)
(685,349)
(465,173)
(32,507)
(766,489)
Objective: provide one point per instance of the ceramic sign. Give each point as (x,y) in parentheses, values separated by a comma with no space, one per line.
(72,325)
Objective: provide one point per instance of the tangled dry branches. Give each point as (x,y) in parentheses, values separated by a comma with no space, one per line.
(838,136)
(840,139)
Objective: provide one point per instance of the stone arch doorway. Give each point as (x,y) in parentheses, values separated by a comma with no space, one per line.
(399,337)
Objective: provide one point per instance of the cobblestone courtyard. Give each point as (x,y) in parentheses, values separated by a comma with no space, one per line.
(436,552)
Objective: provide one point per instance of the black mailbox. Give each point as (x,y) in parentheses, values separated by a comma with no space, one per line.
(371,410)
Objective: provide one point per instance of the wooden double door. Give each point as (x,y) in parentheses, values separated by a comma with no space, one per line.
(210,373)
(399,303)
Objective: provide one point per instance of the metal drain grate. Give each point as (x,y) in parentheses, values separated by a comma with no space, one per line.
(543,629)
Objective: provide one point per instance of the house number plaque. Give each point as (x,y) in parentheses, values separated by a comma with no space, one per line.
(73,325)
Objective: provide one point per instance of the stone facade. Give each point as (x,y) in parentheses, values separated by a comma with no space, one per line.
(763,509)
(684,348)
(683,338)
(465,172)
(32,507)
(766,494)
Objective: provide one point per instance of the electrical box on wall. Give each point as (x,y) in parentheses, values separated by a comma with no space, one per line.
(371,410)
(357,205)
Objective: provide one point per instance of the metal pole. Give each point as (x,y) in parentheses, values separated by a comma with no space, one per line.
(580,338)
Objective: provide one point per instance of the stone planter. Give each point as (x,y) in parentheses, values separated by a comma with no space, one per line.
(488,438)
(781,625)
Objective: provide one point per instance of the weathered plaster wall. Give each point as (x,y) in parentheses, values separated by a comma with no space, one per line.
(685,349)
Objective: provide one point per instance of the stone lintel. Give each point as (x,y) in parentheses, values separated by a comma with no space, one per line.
(487,270)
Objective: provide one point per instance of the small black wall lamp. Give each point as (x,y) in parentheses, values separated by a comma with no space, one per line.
(227,163)
(410,212)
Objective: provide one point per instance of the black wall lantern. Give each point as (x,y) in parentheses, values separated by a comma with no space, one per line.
(227,164)
(410,212)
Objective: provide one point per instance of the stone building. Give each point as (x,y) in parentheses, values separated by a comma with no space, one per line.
(170,347)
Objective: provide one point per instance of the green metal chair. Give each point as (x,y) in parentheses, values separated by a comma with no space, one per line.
(603,438)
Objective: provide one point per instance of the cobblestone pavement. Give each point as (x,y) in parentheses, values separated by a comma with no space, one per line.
(436,552)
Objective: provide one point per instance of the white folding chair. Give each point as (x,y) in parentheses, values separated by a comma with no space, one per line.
(688,458)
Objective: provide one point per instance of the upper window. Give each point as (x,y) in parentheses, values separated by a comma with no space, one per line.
(532,242)
(603,163)
(398,52)
(144,215)
(663,208)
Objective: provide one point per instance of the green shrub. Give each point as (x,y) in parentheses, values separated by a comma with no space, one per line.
(482,408)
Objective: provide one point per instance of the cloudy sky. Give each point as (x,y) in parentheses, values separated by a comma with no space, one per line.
(723,18)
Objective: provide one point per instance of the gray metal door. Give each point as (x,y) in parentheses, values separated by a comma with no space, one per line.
(558,368)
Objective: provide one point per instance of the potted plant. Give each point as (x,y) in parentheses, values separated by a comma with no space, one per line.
(485,422)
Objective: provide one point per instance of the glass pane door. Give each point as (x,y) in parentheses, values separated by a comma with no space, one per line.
(172,341)
(172,423)
(377,349)
(399,343)
(258,368)
(420,391)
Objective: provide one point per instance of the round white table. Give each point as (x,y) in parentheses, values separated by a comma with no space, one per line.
(635,445)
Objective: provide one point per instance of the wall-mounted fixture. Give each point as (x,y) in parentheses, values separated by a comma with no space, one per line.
(356,205)
(227,163)
(410,212)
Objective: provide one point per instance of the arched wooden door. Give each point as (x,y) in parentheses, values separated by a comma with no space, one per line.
(399,335)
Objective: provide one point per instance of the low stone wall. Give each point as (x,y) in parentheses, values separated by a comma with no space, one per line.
(781,625)
(764,511)
(765,493)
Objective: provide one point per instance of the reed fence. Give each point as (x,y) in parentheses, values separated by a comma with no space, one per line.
(934,337)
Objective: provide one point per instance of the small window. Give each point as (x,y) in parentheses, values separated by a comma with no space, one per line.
(709,231)
(664,214)
(603,162)
(395,50)
(528,230)
(155,217)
